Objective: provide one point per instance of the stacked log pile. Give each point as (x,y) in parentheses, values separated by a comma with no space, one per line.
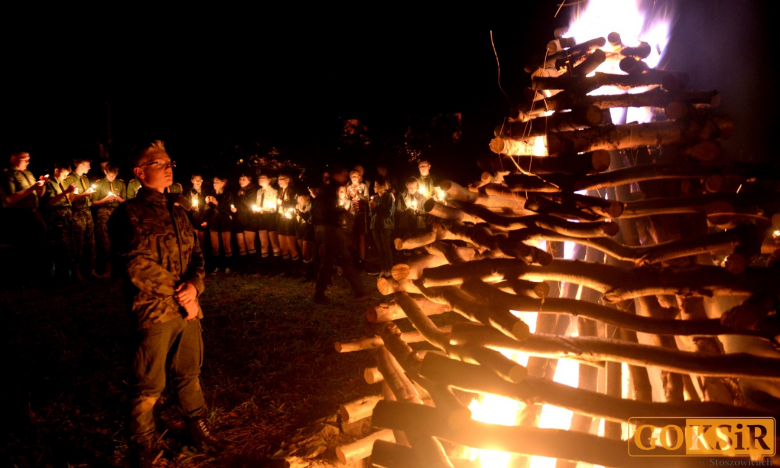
(665,232)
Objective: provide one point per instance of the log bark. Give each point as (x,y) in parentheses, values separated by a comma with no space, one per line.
(600,349)
(389,311)
(652,77)
(491,296)
(372,375)
(421,322)
(588,163)
(358,409)
(456,192)
(577,119)
(654,98)
(616,283)
(413,267)
(553,443)
(361,449)
(389,455)
(542,391)
(616,137)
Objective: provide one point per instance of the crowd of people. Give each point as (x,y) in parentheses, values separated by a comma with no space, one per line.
(68,211)
(151,233)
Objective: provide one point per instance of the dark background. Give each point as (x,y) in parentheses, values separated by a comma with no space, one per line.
(216,85)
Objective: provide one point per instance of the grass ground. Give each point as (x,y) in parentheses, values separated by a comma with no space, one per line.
(270,367)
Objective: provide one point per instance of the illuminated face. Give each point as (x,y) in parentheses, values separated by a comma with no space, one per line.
(284,181)
(302,199)
(155,170)
(218,184)
(380,189)
(243,181)
(197,182)
(83,168)
(425,169)
(20,161)
(263,180)
(110,177)
(61,174)
(342,192)
(355,178)
(360,169)
(412,187)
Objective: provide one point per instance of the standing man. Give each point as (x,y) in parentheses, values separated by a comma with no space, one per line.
(325,214)
(22,221)
(426,183)
(160,261)
(60,222)
(83,224)
(109,193)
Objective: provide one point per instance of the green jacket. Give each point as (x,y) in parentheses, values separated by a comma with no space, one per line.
(156,250)
(82,184)
(132,188)
(53,188)
(15,181)
(103,187)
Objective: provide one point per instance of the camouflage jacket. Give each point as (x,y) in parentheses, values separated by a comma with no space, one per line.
(156,250)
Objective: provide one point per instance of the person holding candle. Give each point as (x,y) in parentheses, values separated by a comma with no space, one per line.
(382,209)
(195,203)
(267,224)
(161,264)
(357,192)
(426,182)
(109,193)
(22,221)
(244,224)
(287,200)
(304,234)
(60,221)
(219,218)
(411,217)
(83,224)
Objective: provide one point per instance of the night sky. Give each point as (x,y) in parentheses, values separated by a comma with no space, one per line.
(205,81)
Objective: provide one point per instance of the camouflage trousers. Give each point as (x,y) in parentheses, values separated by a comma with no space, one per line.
(101,236)
(84,240)
(61,240)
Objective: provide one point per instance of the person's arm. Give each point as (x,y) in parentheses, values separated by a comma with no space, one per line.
(195,270)
(55,197)
(120,192)
(11,194)
(134,252)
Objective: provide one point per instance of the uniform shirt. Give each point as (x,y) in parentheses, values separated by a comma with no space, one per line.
(266,199)
(82,184)
(54,188)
(358,196)
(408,217)
(17,181)
(103,187)
(132,188)
(245,198)
(157,251)
(426,186)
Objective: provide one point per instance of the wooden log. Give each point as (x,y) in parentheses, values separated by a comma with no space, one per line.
(387,286)
(389,455)
(497,243)
(372,375)
(358,409)
(394,375)
(574,206)
(600,349)
(577,119)
(440,210)
(554,443)
(445,400)
(645,172)
(421,322)
(599,79)
(361,449)
(415,242)
(389,311)
(392,337)
(654,98)
(525,288)
(616,283)
(542,391)
(616,137)
(661,326)
(413,267)
(373,342)
(572,53)
(500,318)
(456,192)
(490,359)
(588,163)
(455,254)
(711,204)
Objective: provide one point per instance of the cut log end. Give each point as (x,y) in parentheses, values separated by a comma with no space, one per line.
(385,286)
(399,243)
(518,373)
(542,290)
(600,160)
(610,229)
(735,263)
(372,375)
(400,271)
(714,183)
(521,331)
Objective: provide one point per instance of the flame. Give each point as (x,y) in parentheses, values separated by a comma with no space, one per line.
(625,17)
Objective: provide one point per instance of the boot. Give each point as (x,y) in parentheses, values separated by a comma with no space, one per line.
(218,262)
(230,264)
(310,270)
(274,265)
(204,436)
(251,262)
(263,264)
(296,267)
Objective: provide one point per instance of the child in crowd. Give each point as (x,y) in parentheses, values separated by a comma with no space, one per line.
(382,207)
(219,217)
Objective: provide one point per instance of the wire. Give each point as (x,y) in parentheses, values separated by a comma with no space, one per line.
(498,64)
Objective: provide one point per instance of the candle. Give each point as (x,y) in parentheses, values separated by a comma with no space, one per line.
(76,191)
(232,207)
(341,202)
(194,201)
(255,208)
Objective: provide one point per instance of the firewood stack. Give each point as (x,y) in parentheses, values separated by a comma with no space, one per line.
(671,240)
